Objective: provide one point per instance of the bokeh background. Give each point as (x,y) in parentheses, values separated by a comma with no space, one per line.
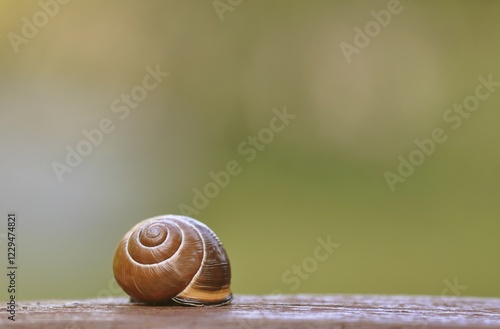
(323,175)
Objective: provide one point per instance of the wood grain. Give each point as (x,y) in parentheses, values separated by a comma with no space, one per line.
(247,312)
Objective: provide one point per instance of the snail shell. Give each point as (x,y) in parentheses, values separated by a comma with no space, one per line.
(173,257)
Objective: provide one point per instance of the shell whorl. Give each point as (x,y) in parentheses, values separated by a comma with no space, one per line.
(173,257)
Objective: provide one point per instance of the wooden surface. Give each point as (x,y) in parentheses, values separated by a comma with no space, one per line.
(246,312)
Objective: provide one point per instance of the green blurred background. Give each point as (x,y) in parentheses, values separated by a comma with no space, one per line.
(323,175)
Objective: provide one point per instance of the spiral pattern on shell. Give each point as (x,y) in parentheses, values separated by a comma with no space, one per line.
(173,257)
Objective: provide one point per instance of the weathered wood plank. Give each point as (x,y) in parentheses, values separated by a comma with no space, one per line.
(245,312)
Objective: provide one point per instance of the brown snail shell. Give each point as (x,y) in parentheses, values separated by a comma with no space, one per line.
(176,258)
